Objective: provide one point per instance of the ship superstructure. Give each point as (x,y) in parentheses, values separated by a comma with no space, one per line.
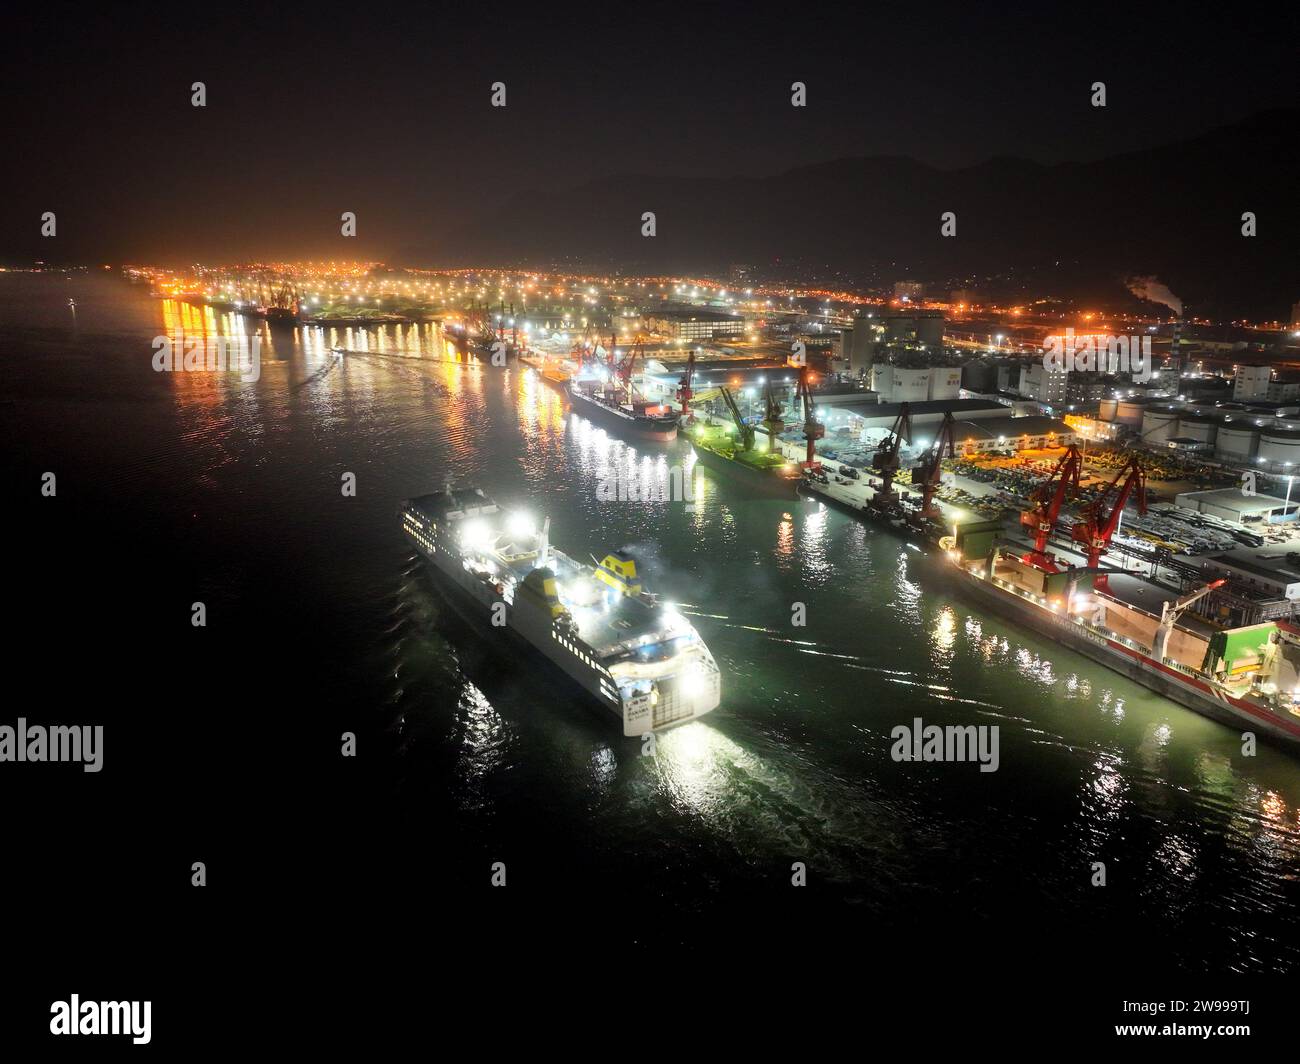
(638,657)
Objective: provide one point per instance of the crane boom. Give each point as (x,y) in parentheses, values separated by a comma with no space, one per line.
(684,391)
(813,430)
(746,432)
(772,420)
(1047,499)
(1101,518)
(1171,611)
(927,475)
(886,460)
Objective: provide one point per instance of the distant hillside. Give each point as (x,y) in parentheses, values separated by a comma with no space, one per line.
(1173,211)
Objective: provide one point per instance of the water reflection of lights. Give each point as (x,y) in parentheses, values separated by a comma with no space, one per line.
(909,593)
(1035,668)
(1178,857)
(944,635)
(698,766)
(1273,806)
(1104,795)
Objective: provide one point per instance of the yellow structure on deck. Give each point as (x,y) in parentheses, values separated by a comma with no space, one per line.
(618,570)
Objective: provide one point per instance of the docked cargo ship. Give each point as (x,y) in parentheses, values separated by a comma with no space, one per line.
(768,474)
(1247,677)
(637,657)
(639,418)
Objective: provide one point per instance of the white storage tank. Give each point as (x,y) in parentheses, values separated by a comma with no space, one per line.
(1200,429)
(1106,409)
(1158,426)
(1129,413)
(1279,448)
(1236,442)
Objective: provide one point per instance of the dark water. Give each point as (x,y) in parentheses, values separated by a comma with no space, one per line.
(224,741)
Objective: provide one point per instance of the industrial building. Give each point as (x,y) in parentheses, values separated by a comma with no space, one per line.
(694,324)
(1257,382)
(861,344)
(979,425)
(1043,384)
(923,327)
(901,384)
(1231,504)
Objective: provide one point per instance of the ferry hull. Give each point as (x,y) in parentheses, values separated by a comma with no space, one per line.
(509,645)
(527,627)
(1188,691)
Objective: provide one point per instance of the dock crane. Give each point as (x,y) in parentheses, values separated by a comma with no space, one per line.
(1040,519)
(684,392)
(623,371)
(772,420)
(746,432)
(1171,611)
(927,475)
(886,460)
(813,430)
(1099,520)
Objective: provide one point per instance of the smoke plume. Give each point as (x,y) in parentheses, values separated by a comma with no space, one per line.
(1151,289)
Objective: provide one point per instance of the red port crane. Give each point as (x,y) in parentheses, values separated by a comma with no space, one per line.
(928,473)
(813,430)
(1040,519)
(886,460)
(1101,517)
(684,392)
(623,372)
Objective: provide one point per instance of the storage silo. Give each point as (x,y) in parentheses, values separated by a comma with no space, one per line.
(1129,413)
(1203,430)
(1236,442)
(1279,447)
(1159,425)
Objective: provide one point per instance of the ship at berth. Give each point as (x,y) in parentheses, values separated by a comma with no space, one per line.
(1247,677)
(637,657)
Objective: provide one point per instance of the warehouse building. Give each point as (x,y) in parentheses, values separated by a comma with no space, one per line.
(1232,504)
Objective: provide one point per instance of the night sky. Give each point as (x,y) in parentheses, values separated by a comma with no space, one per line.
(316,110)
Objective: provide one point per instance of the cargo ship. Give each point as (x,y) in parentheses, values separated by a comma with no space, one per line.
(554,377)
(766,472)
(635,656)
(1246,677)
(638,418)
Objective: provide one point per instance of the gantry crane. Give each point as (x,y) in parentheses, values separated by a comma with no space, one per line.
(886,461)
(813,430)
(927,475)
(1040,519)
(1099,520)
